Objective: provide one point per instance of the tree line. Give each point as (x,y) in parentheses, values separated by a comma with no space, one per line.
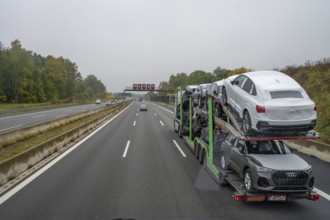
(199,77)
(314,77)
(27,77)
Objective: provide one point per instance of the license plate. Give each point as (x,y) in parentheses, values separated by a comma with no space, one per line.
(276,198)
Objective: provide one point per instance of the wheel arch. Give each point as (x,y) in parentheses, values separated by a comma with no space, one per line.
(245,168)
(247,109)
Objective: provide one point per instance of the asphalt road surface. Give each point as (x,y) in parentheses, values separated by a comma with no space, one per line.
(12,122)
(132,168)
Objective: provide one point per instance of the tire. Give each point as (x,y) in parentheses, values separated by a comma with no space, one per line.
(224,97)
(222,180)
(196,151)
(248,180)
(204,159)
(201,156)
(179,131)
(246,123)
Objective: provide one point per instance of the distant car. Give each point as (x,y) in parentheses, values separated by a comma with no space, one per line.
(98,101)
(216,92)
(209,89)
(143,107)
(199,95)
(270,101)
(109,103)
(267,166)
(190,89)
(140,99)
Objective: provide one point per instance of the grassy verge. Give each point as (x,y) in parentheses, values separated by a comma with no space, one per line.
(21,146)
(7,106)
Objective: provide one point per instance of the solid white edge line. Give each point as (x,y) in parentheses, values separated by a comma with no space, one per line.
(17,126)
(38,116)
(134,123)
(179,148)
(323,194)
(60,116)
(126,148)
(20,186)
(161,123)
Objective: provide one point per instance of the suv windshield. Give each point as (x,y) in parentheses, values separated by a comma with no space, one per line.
(267,147)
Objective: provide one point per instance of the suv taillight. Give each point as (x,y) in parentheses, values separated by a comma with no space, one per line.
(315,107)
(260,109)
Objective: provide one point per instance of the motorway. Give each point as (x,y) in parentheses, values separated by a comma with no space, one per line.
(12,122)
(132,168)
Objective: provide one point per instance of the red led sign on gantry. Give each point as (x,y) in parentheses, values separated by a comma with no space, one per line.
(143,86)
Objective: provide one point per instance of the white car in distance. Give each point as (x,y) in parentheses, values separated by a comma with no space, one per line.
(216,93)
(143,107)
(270,101)
(200,94)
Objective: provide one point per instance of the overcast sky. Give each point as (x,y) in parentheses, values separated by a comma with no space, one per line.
(145,41)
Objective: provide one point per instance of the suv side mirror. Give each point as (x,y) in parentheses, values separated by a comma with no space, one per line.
(215,92)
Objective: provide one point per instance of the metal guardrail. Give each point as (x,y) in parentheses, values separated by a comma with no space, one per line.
(313,148)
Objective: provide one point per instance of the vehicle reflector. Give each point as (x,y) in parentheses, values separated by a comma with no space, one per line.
(260,109)
(259,198)
(238,197)
(315,197)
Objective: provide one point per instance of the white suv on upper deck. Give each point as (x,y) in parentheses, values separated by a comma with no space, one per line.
(270,101)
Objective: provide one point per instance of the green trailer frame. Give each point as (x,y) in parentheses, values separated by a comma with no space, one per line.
(204,152)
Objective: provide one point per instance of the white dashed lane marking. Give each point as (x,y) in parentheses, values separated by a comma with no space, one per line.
(126,148)
(179,148)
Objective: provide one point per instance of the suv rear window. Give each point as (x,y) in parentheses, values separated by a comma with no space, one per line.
(285,94)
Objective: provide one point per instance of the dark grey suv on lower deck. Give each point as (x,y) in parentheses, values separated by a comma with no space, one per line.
(267,166)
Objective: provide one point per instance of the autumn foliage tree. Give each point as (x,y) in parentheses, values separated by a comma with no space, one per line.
(30,78)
